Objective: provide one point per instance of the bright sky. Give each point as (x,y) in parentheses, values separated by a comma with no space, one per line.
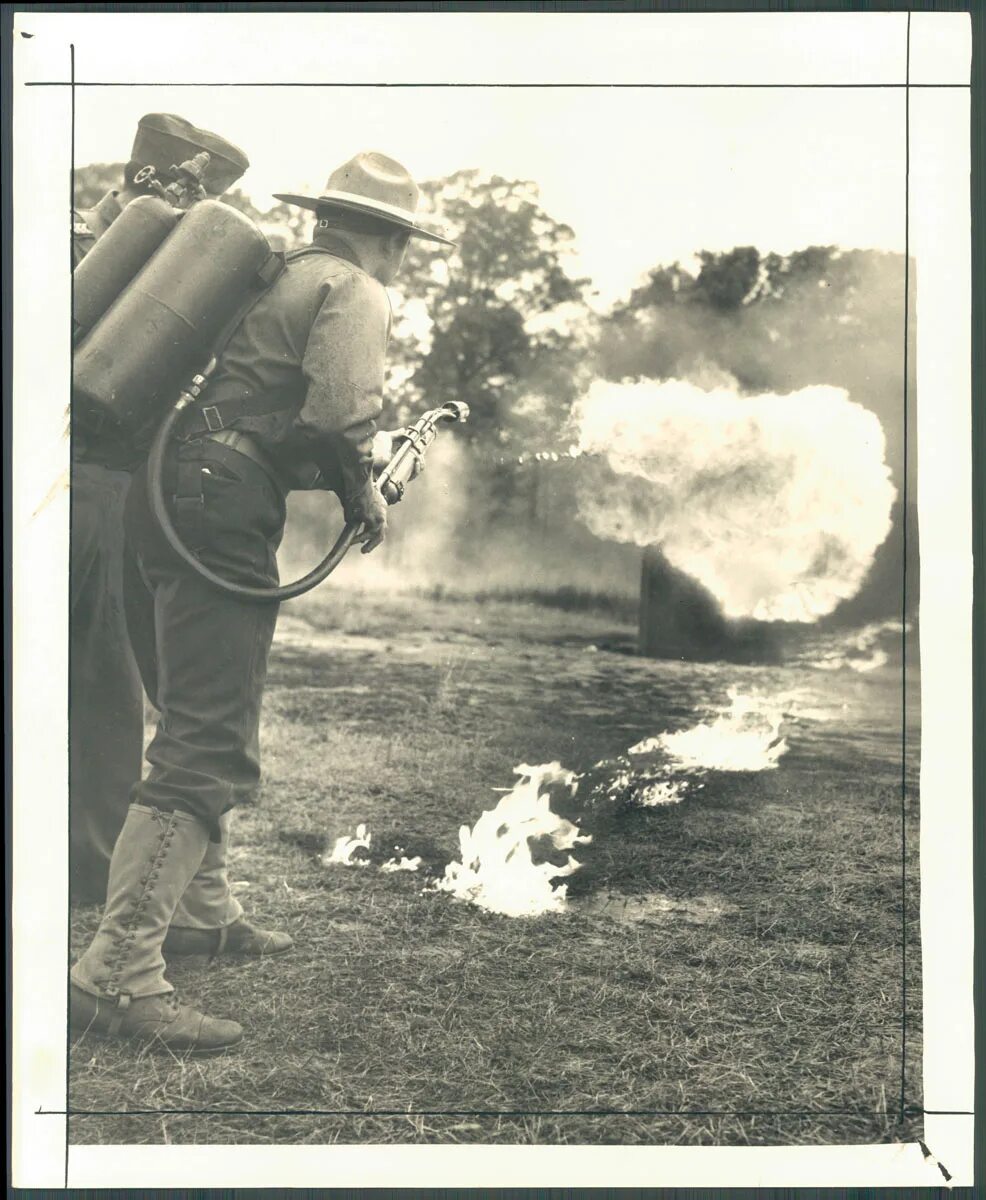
(643,175)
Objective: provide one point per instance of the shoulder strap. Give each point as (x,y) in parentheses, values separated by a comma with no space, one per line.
(293,255)
(337,249)
(268,273)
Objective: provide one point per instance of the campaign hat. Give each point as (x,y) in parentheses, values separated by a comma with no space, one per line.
(376,186)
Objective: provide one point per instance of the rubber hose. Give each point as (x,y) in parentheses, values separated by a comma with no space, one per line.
(155,489)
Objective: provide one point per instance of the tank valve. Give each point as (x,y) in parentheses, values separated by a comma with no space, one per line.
(186,187)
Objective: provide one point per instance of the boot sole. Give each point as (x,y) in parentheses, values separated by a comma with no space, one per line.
(226,953)
(156,1045)
(243,954)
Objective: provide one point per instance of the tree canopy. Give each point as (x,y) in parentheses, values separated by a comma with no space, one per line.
(502,321)
(92,182)
(771,321)
(285,224)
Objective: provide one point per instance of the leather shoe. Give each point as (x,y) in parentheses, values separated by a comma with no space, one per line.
(239,938)
(161,1022)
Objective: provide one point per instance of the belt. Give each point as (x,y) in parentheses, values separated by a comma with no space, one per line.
(217,416)
(243,443)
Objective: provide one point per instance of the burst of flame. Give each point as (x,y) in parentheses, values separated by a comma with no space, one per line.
(497,871)
(775,504)
(350,851)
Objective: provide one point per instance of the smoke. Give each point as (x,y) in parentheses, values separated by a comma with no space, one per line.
(775,503)
(469,524)
(822,316)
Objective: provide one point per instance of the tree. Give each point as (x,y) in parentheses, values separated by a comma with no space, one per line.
(287,226)
(91,183)
(499,321)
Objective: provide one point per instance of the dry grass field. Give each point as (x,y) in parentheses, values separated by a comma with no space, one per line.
(728,970)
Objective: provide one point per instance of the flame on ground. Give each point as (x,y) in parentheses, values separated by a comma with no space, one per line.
(863,653)
(644,787)
(350,851)
(401,864)
(661,791)
(497,871)
(744,736)
(776,504)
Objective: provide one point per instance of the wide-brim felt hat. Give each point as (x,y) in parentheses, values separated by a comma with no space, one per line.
(376,186)
(165,140)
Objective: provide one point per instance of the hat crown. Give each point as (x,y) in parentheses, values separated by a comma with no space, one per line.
(376,178)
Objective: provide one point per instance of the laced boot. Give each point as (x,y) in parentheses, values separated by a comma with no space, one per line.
(118,985)
(163,1021)
(209,919)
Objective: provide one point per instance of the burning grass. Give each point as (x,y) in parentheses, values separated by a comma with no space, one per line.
(757,1002)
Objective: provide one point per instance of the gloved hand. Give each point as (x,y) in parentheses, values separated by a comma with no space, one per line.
(369,509)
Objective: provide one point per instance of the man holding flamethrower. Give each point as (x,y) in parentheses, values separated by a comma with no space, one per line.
(291,402)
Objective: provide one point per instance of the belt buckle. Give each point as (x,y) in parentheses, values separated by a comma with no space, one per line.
(213,419)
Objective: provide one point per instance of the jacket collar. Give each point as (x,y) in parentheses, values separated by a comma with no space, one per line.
(325,239)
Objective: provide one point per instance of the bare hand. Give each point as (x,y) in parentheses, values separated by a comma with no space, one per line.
(385,445)
(383,449)
(370,509)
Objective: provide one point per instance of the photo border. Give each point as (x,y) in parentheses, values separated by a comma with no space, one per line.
(977,435)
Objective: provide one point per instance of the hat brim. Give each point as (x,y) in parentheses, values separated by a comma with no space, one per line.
(314,203)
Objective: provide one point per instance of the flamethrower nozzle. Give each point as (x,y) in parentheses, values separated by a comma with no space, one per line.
(458,409)
(409,456)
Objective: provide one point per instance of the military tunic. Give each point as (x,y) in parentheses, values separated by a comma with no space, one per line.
(316,344)
(308,361)
(106,708)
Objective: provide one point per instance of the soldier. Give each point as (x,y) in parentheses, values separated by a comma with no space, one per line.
(106,705)
(293,403)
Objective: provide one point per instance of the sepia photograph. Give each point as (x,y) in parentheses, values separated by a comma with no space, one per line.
(494,649)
